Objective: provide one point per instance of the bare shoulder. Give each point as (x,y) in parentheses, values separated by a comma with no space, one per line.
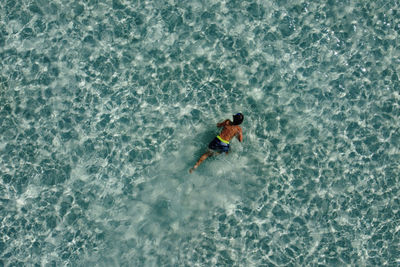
(227,122)
(224,123)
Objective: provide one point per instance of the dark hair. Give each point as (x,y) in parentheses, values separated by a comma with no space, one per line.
(237,118)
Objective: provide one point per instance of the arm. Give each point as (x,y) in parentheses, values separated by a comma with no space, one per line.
(239,135)
(224,123)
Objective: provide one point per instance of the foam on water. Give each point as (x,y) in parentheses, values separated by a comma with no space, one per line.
(105,105)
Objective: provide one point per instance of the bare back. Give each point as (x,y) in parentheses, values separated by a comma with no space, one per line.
(229,131)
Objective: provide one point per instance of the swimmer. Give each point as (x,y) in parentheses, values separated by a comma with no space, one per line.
(221,142)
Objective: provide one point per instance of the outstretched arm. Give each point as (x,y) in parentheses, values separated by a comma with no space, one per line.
(221,124)
(240,135)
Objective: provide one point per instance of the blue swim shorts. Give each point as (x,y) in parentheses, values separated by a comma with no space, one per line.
(218,145)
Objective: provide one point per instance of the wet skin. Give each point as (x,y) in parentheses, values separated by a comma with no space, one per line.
(228,132)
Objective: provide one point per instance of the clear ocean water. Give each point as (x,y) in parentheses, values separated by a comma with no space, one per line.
(106,104)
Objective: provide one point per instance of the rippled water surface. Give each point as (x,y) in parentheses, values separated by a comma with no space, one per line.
(105,105)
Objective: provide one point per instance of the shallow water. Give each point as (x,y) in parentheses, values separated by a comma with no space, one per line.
(105,105)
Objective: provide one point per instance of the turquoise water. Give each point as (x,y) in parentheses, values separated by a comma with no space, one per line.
(105,105)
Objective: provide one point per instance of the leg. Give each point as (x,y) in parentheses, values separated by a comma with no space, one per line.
(202,158)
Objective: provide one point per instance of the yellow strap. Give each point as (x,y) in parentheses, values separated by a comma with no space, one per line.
(222,140)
